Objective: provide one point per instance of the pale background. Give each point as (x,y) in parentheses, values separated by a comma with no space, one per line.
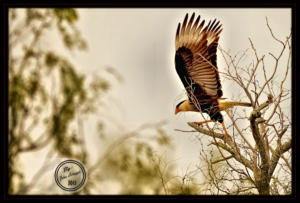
(140,45)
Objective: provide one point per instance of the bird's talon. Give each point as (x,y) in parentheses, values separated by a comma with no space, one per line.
(200,124)
(226,137)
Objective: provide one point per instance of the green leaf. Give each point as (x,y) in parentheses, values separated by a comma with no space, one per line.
(33,14)
(68,14)
(51,59)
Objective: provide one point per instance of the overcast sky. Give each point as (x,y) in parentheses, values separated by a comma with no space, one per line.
(140,44)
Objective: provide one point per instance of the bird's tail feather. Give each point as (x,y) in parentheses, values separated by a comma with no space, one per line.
(223,105)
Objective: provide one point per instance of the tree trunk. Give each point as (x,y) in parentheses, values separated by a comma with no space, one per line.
(263,188)
(262,183)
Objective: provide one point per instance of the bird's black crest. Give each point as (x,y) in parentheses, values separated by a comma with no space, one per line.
(179,103)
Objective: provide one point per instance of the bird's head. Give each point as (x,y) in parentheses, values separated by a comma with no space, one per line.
(185,106)
(179,107)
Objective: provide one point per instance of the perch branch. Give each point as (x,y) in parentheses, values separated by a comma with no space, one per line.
(232,148)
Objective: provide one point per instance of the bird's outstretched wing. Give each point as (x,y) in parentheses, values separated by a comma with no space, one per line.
(196,59)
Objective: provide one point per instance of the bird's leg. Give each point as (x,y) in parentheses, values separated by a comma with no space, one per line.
(226,134)
(201,123)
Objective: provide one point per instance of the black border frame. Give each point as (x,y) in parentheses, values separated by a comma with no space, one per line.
(6,4)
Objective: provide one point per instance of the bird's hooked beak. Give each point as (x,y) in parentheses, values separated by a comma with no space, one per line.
(177,110)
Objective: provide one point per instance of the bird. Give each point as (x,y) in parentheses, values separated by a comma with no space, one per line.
(196,64)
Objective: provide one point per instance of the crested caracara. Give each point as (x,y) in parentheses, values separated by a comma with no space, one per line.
(196,65)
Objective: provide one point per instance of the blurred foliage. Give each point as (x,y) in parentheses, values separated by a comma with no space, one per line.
(139,164)
(134,166)
(46,91)
(74,95)
(71,37)
(48,97)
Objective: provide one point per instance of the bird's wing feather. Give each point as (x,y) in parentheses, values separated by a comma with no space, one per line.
(196,59)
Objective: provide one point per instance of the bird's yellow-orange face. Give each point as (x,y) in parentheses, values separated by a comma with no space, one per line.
(185,106)
(178,108)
